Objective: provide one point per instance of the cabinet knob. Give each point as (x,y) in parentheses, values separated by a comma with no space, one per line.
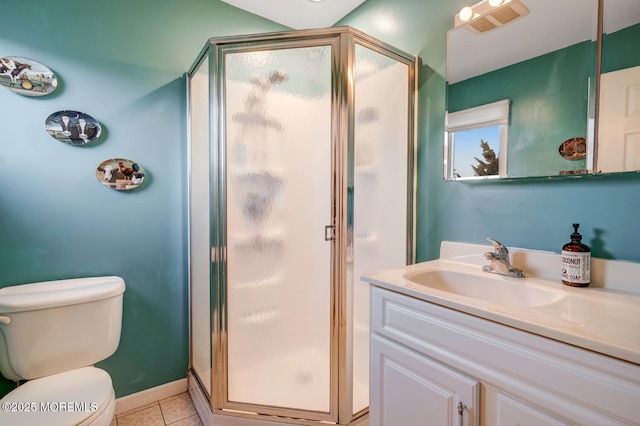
(461,408)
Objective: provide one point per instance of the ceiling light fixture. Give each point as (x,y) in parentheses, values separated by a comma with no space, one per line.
(489,15)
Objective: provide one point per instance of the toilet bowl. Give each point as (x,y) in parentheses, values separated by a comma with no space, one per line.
(51,335)
(82,396)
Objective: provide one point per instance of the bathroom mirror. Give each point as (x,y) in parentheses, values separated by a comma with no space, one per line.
(618,139)
(542,65)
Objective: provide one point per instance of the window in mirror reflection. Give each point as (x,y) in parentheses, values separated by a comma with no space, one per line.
(476,152)
(476,142)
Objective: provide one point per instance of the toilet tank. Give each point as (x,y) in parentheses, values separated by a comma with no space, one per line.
(56,326)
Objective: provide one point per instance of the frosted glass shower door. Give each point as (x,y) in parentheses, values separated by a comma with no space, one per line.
(199,225)
(380,194)
(278,201)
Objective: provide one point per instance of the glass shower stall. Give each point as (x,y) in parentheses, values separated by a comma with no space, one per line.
(301,170)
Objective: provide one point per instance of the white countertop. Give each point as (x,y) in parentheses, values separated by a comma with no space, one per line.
(604,318)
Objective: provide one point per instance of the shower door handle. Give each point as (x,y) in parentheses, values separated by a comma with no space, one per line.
(330,235)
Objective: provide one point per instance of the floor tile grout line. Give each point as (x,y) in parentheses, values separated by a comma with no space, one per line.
(164,420)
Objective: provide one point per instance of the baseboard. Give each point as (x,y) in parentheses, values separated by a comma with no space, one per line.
(150,395)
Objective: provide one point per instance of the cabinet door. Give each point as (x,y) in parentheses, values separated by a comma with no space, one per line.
(511,412)
(410,389)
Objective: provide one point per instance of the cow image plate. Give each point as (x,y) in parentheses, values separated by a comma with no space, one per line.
(73,127)
(26,76)
(120,174)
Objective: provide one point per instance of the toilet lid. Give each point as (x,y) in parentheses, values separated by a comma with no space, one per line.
(66,399)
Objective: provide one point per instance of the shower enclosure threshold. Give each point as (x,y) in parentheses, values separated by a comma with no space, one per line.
(231,418)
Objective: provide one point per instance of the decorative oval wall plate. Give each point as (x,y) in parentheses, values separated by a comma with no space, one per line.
(73,127)
(26,77)
(573,149)
(120,174)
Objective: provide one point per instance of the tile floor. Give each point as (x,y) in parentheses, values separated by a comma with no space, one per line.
(176,410)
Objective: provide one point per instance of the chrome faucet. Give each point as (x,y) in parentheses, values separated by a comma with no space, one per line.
(500,261)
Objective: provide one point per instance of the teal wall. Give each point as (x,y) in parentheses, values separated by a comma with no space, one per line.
(620,49)
(548,104)
(122,62)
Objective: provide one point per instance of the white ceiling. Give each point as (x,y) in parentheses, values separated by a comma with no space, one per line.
(299,14)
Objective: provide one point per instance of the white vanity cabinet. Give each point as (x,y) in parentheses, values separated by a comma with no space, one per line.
(412,389)
(427,359)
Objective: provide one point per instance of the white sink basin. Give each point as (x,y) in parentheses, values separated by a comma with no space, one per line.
(489,288)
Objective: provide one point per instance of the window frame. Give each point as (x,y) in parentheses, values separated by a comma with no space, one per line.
(483,116)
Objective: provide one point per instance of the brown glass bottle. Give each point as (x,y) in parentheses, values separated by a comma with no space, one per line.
(576,261)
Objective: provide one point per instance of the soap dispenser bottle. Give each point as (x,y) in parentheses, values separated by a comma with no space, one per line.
(576,261)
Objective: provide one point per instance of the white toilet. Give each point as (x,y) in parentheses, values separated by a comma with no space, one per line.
(51,334)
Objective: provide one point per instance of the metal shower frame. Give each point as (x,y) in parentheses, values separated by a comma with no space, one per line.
(343,41)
